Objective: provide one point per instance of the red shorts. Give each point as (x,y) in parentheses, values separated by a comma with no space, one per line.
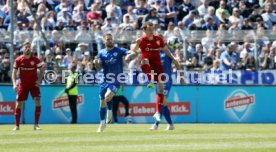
(23,92)
(157,68)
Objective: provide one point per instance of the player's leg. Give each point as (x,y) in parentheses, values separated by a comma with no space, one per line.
(158,103)
(146,68)
(167,114)
(37,112)
(22,95)
(109,111)
(110,93)
(106,95)
(102,111)
(115,101)
(156,123)
(35,92)
(17,114)
(73,107)
(165,110)
(159,100)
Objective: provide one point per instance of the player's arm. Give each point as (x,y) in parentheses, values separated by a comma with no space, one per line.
(14,77)
(169,54)
(98,63)
(130,56)
(133,52)
(176,63)
(136,47)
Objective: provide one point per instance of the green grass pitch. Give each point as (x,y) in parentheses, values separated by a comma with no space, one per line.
(137,137)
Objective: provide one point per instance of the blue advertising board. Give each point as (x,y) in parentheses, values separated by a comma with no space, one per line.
(246,104)
(188,104)
(55,109)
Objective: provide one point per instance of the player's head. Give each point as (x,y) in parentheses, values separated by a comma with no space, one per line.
(108,40)
(148,28)
(27,48)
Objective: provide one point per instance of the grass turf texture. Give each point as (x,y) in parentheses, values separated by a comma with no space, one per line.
(137,137)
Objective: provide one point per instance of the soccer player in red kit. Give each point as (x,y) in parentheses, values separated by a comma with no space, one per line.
(27,66)
(150,46)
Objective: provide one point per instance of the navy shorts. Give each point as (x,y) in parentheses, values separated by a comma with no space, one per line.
(167,88)
(105,86)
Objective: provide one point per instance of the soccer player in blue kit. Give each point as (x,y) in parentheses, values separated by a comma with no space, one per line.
(172,43)
(110,59)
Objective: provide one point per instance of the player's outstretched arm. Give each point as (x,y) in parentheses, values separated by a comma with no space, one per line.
(176,63)
(168,53)
(136,47)
(133,51)
(130,56)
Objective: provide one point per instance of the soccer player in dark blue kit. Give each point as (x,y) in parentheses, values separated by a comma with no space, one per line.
(172,43)
(110,59)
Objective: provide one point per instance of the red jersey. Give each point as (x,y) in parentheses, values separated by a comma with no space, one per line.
(27,69)
(151,48)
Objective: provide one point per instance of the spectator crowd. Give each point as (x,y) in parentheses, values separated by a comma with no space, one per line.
(214,34)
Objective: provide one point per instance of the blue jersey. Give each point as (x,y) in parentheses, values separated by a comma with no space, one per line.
(167,63)
(112,62)
(167,66)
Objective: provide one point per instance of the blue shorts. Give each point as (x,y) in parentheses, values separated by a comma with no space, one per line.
(104,86)
(167,88)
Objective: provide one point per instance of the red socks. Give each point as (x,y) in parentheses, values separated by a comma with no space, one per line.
(159,102)
(17,116)
(37,114)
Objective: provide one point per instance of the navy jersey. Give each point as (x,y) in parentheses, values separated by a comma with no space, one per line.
(167,66)
(112,62)
(167,63)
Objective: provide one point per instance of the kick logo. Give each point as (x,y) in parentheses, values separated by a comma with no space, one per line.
(239,103)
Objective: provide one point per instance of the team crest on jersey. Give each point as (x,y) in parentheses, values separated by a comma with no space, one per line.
(158,42)
(32,63)
(115,54)
(239,103)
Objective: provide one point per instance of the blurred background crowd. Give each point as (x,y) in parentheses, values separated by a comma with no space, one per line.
(214,34)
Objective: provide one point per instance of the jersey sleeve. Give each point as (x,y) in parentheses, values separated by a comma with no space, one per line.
(123,51)
(16,64)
